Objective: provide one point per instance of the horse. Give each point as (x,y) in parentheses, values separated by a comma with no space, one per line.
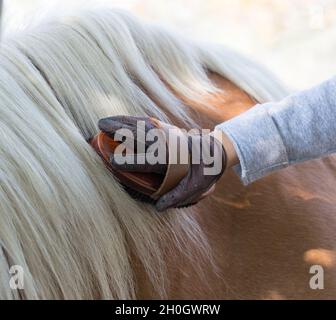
(72,228)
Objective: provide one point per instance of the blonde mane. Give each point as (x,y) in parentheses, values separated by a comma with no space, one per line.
(63,217)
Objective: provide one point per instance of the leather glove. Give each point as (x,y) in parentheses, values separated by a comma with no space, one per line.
(196,184)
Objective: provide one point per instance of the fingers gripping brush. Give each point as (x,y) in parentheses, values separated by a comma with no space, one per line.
(146,187)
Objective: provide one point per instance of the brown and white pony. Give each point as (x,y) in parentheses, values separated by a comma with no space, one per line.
(76,234)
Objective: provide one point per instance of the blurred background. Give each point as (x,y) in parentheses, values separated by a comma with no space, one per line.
(296,39)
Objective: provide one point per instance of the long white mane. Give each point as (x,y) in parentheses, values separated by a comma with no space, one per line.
(63,217)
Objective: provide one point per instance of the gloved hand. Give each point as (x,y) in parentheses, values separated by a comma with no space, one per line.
(195,185)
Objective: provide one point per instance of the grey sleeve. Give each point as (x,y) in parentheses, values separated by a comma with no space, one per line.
(272,136)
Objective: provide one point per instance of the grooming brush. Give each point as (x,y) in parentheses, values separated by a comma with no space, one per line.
(145,187)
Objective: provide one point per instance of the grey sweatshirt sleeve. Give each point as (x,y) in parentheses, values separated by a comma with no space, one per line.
(272,136)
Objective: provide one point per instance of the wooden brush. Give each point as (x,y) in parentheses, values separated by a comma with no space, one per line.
(146,187)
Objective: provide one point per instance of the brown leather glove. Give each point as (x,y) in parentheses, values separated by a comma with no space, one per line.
(196,184)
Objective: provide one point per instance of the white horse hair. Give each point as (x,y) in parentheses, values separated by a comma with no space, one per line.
(63,217)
